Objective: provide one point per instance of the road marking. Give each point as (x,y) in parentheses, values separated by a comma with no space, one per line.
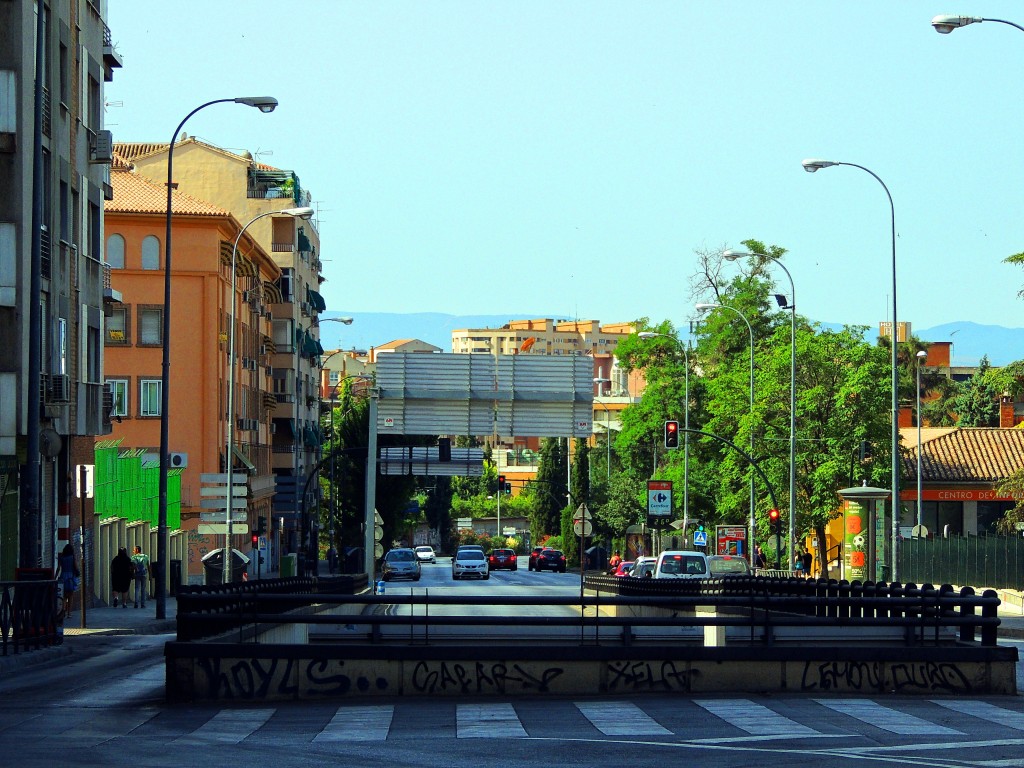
(475,721)
(985,711)
(358,724)
(620,718)
(754,718)
(229,726)
(885,718)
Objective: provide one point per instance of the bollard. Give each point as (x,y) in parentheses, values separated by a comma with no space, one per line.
(380,587)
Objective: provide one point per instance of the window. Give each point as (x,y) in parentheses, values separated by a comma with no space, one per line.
(117,327)
(285,284)
(115,252)
(150,252)
(149,397)
(119,391)
(151,326)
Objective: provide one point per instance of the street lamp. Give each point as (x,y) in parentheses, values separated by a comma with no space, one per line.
(263,104)
(686,421)
(607,431)
(945,23)
(921,356)
(299,213)
(814,165)
(750,330)
(733,256)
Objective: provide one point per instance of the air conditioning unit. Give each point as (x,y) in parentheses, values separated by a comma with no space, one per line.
(101,148)
(253,364)
(264,350)
(246,364)
(307,308)
(178,461)
(60,388)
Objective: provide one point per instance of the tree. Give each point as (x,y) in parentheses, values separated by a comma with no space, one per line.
(437,509)
(551,479)
(977,399)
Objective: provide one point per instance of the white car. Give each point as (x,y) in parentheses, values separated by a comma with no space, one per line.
(469,562)
(681,564)
(426,555)
(643,568)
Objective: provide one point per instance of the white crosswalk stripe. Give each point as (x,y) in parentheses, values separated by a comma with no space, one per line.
(474,721)
(887,719)
(229,726)
(358,724)
(620,718)
(985,711)
(754,718)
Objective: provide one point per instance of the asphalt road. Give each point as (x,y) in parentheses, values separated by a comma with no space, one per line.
(104,707)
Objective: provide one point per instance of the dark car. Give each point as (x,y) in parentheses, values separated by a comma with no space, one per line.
(532,565)
(550,560)
(502,558)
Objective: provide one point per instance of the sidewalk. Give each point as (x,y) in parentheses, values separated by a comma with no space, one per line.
(107,620)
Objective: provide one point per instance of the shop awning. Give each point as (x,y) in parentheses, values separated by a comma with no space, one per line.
(316,300)
(243,458)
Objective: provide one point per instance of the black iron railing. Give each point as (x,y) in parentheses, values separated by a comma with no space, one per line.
(29,615)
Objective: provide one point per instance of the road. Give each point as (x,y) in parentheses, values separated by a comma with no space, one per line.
(106,708)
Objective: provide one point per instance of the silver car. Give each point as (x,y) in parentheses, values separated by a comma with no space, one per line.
(469,562)
(400,564)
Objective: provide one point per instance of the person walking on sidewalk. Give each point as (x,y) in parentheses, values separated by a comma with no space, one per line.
(122,571)
(67,575)
(141,563)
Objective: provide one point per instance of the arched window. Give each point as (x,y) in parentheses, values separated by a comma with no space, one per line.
(115,252)
(150,252)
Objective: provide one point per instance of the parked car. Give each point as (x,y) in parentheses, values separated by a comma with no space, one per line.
(532,565)
(643,568)
(469,561)
(550,560)
(502,558)
(681,564)
(623,569)
(727,565)
(426,554)
(400,563)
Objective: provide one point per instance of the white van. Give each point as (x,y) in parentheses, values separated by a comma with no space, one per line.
(680,564)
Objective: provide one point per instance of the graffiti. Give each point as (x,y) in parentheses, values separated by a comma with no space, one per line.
(929,676)
(645,676)
(834,675)
(481,677)
(274,678)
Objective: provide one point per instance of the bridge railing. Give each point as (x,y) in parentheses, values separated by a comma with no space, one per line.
(615,610)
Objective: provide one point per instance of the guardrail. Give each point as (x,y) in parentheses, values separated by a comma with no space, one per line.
(29,615)
(894,613)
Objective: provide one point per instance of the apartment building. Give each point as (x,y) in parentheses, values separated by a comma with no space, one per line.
(53,285)
(247,189)
(202,312)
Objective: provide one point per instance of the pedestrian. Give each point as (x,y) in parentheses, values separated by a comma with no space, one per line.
(760,561)
(798,564)
(141,563)
(614,562)
(808,558)
(67,576)
(122,571)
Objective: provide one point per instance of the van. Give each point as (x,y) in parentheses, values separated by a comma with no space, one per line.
(680,564)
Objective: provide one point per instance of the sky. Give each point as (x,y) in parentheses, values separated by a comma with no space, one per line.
(569,158)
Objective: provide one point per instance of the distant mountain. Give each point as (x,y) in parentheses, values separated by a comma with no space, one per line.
(371,329)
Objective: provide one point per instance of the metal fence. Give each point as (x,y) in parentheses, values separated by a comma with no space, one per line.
(995,562)
(28,615)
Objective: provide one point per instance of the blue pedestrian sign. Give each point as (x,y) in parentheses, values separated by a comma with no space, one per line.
(700,538)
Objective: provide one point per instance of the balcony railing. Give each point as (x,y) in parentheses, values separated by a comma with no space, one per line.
(282,247)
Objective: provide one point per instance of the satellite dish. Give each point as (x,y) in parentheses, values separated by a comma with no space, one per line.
(50,442)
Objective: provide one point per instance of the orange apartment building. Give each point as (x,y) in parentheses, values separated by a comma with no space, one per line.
(200,312)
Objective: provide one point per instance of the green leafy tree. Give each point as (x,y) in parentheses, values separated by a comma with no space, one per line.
(437,507)
(977,399)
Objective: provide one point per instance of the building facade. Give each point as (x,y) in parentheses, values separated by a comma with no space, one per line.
(54,156)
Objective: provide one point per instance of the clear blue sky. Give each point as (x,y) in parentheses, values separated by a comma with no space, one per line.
(538,157)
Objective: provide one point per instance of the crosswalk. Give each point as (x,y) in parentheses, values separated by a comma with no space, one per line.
(657,718)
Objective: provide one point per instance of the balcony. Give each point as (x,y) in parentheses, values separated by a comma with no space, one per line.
(111,58)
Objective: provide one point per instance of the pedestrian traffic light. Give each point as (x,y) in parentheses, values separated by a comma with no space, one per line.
(444,449)
(261,525)
(255,541)
(671,434)
(775,521)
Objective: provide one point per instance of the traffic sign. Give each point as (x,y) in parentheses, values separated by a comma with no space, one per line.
(221,478)
(220,529)
(508,530)
(220,517)
(582,527)
(464,522)
(378,550)
(581,513)
(237,502)
(222,490)
(700,538)
(659,498)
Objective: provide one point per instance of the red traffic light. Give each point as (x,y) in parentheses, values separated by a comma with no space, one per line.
(671,434)
(255,541)
(773,515)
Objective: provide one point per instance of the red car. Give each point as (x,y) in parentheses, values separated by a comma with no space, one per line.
(502,558)
(550,560)
(623,569)
(532,565)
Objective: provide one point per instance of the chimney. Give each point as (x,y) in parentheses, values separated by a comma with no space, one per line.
(1006,410)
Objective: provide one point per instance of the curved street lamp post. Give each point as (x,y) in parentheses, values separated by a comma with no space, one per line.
(750,330)
(945,23)
(263,104)
(815,165)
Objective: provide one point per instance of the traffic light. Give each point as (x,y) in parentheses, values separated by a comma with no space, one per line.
(261,526)
(508,488)
(671,434)
(444,449)
(255,541)
(865,451)
(775,521)
(501,483)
